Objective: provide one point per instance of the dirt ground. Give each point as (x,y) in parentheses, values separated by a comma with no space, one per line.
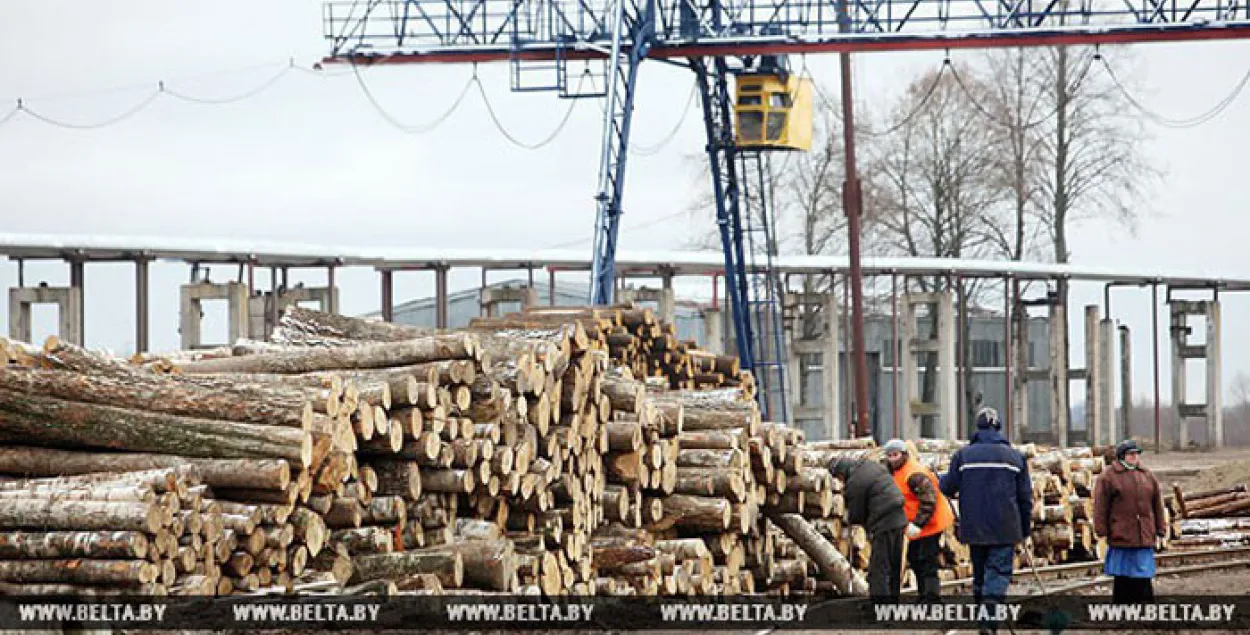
(1215,469)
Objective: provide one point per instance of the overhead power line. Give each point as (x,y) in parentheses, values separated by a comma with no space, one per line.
(1168,122)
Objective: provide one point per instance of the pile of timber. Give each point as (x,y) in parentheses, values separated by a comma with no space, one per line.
(1209,518)
(258,451)
(149,532)
(637,340)
(542,452)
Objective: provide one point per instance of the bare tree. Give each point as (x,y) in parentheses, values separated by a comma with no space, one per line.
(935,188)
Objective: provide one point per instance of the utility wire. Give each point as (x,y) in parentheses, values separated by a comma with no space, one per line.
(134,110)
(645,150)
(509,136)
(985,112)
(1191,122)
(229,100)
(399,125)
(162,89)
(830,105)
(624,230)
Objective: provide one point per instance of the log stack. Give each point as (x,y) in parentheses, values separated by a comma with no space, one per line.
(558,450)
(148,532)
(1218,517)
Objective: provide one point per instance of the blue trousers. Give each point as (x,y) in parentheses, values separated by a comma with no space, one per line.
(991,575)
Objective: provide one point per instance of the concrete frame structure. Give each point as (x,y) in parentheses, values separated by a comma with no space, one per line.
(665,299)
(261,314)
(493,297)
(68,301)
(79,251)
(191,311)
(1211,412)
(823,342)
(946,406)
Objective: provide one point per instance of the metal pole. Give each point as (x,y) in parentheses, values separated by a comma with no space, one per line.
(551,286)
(894,347)
(1154,340)
(852,201)
(961,358)
(846,354)
(388,296)
(1008,344)
(141,305)
(332,303)
(440,297)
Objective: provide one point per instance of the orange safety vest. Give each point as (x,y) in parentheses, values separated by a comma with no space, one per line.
(942,516)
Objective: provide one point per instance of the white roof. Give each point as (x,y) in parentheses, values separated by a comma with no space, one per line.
(273,253)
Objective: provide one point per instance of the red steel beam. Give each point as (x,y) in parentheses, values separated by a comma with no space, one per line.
(1002,39)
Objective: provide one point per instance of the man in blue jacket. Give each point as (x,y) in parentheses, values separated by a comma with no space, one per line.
(991,480)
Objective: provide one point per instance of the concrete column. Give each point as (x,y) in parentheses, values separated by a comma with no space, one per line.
(1020,372)
(1059,413)
(142,342)
(388,295)
(713,330)
(78,280)
(947,386)
(1179,328)
(1126,383)
(191,310)
(1215,400)
(68,301)
(668,300)
(1094,421)
(910,383)
(440,296)
(1106,383)
(334,297)
(831,383)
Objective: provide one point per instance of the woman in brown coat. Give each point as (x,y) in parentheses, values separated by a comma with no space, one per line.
(1128,512)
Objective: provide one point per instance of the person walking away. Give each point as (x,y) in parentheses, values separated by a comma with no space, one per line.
(874,502)
(928,514)
(991,481)
(1128,512)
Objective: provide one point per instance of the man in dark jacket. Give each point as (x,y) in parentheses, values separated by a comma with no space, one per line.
(875,502)
(991,481)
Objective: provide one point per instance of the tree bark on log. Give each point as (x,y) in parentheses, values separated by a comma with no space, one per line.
(24,418)
(698,512)
(488,564)
(447,565)
(380,355)
(53,514)
(34,461)
(821,552)
(79,571)
(154,393)
(322,324)
(73,544)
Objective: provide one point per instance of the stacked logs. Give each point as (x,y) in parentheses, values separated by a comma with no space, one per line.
(258,448)
(510,438)
(1209,518)
(146,532)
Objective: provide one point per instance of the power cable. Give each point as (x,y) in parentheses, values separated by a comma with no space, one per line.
(829,104)
(1191,122)
(972,99)
(162,89)
(134,110)
(490,110)
(236,98)
(624,230)
(399,125)
(645,150)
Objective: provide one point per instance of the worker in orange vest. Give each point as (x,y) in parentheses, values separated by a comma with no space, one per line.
(928,514)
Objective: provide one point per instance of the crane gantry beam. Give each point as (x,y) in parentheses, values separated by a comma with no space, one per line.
(546,35)
(471,31)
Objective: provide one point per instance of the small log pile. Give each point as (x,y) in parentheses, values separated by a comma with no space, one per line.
(1218,517)
(148,532)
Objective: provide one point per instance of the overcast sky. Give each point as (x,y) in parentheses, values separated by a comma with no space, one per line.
(309,160)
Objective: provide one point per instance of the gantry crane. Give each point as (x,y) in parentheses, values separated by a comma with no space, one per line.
(749,39)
